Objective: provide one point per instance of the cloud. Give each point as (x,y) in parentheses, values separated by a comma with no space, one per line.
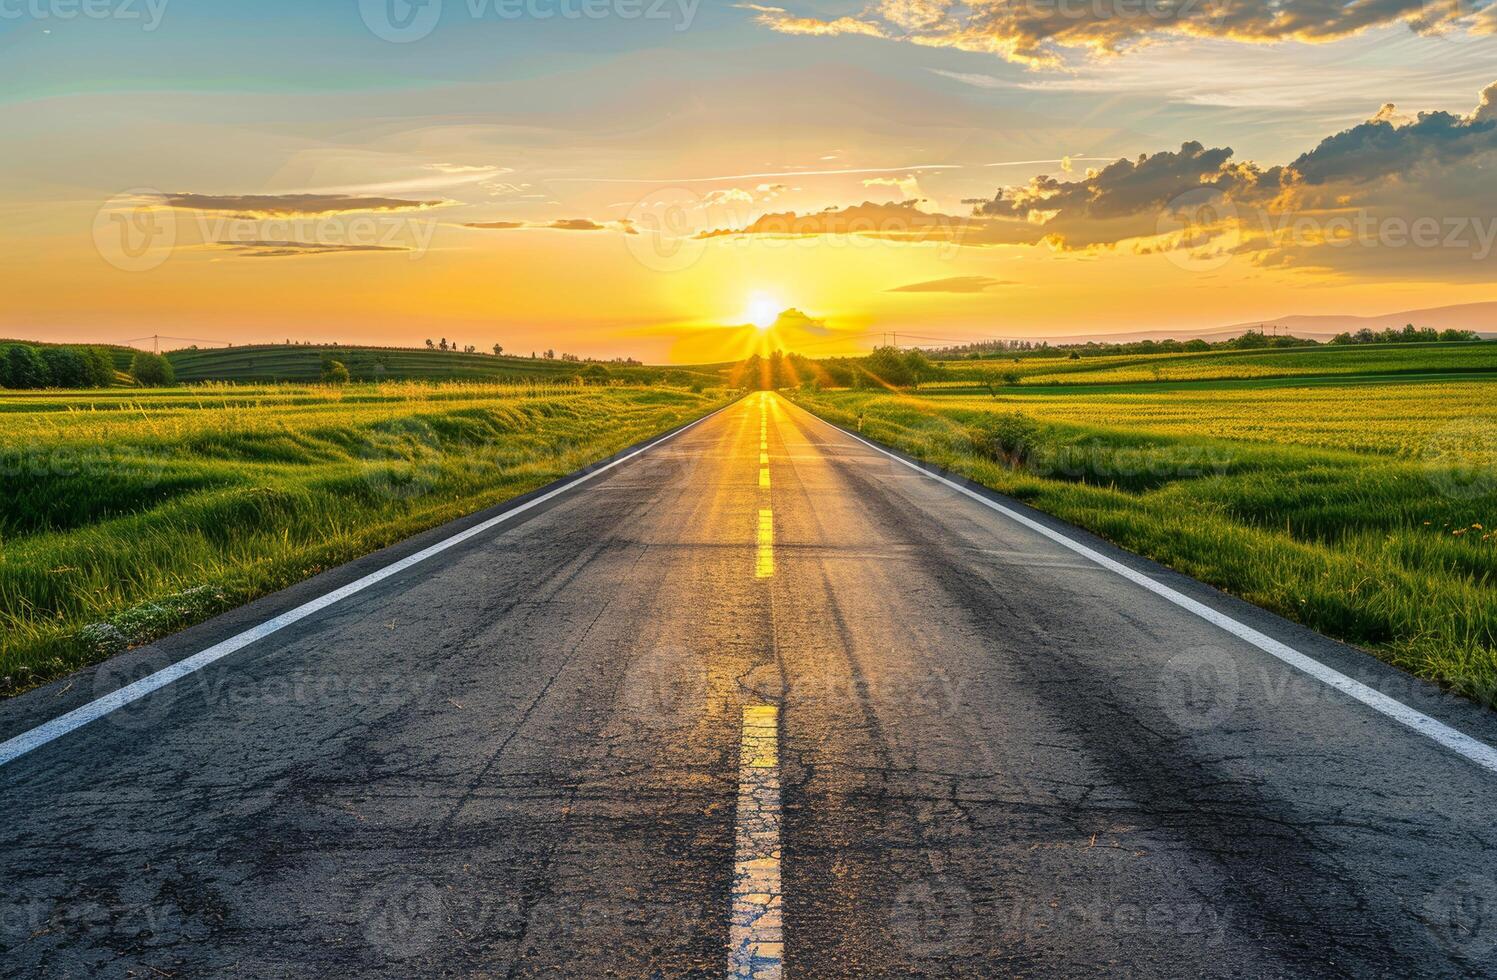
(257,206)
(1487,109)
(902,220)
(955,284)
(1375,184)
(908,187)
(269,249)
(1044,33)
(559,224)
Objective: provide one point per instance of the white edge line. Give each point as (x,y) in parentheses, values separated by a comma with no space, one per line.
(49,731)
(1473,749)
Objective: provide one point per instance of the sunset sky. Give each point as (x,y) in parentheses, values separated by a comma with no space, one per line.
(644,178)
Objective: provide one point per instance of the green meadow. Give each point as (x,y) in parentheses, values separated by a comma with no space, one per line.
(1363,507)
(128,513)
(1369,361)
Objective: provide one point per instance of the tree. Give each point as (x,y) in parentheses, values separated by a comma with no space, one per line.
(65,367)
(100,367)
(334,372)
(498,349)
(887,366)
(430,345)
(24,368)
(152,370)
(550,355)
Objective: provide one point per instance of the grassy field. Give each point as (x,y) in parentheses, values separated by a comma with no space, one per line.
(279,362)
(127,514)
(1363,510)
(1371,360)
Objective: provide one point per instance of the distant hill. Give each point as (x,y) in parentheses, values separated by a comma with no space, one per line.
(295,362)
(1481,317)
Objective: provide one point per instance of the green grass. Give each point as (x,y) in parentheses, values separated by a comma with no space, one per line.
(1372,360)
(127,514)
(1362,510)
(280,362)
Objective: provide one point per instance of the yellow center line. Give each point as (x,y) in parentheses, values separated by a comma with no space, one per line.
(765,566)
(756,941)
(764,478)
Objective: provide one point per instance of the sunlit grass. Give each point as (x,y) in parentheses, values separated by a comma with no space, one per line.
(126,514)
(1364,511)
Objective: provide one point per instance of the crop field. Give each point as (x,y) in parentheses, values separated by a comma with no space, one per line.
(1382,359)
(291,363)
(127,514)
(1361,509)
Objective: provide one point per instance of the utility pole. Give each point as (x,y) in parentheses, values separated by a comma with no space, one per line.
(156,346)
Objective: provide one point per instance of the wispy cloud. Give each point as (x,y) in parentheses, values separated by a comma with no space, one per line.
(276,250)
(255,206)
(954,284)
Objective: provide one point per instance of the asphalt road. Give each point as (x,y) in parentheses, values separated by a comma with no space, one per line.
(678,711)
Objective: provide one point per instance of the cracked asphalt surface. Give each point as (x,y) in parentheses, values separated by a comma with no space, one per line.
(521,758)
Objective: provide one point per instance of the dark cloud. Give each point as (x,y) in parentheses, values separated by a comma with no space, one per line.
(955,284)
(255,206)
(275,250)
(1041,32)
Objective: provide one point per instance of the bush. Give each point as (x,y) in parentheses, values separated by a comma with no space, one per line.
(24,368)
(1008,438)
(594,374)
(152,370)
(334,372)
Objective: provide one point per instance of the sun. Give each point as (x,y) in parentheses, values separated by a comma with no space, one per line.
(762,311)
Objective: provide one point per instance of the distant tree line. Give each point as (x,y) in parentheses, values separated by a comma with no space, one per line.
(1410,334)
(884,367)
(27,366)
(1251,340)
